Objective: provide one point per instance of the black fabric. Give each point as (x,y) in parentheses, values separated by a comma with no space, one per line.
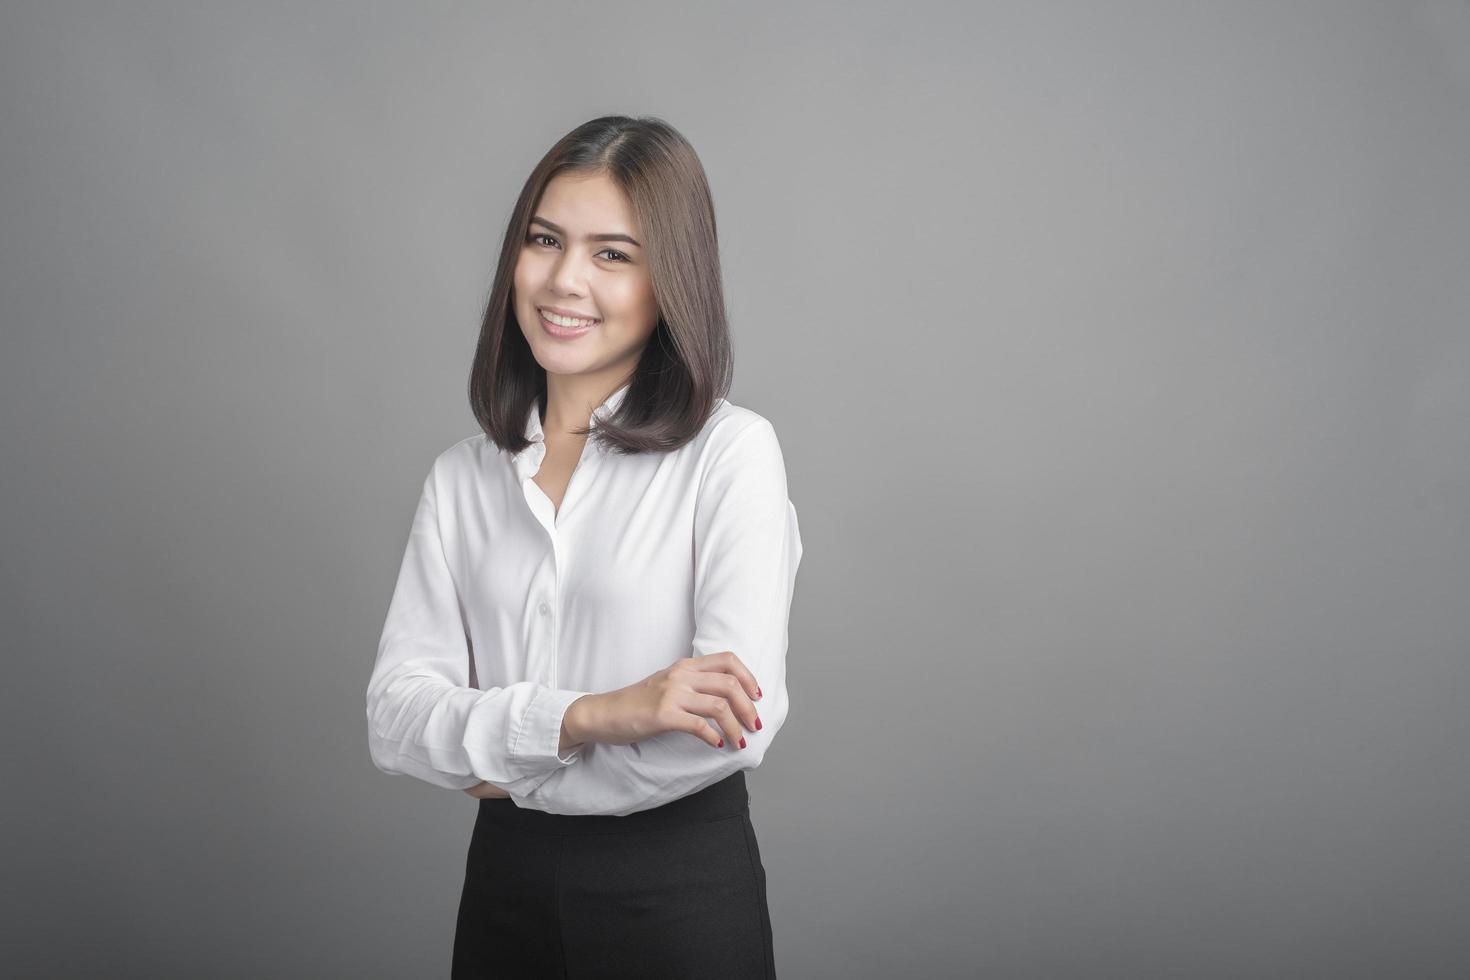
(677,891)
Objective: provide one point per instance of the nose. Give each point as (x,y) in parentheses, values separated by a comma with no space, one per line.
(568,277)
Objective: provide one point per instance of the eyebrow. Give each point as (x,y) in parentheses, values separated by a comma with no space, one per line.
(606,237)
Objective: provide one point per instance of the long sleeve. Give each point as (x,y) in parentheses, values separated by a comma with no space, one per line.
(746,551)
(424,720)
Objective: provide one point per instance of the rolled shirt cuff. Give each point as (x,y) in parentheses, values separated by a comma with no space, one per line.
(538,739)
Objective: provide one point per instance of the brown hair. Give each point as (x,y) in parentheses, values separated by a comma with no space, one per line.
(686,366)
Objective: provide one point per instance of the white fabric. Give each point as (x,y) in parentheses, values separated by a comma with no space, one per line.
(505,611)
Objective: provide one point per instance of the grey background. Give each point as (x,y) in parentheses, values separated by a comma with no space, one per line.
(1119,354)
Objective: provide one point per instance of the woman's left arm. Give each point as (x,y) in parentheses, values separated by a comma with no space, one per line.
(747,547)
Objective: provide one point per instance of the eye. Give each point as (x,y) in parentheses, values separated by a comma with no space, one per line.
(535,237)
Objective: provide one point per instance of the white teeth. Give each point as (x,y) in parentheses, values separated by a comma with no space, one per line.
(563,321)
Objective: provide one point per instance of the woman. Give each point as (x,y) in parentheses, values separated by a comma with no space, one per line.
(589,627)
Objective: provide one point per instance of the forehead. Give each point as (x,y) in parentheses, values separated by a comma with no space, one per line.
(587,205)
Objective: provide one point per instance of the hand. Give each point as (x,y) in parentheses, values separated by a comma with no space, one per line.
(487,791)
(676,699)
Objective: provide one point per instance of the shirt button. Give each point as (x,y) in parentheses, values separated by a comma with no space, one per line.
(545,609)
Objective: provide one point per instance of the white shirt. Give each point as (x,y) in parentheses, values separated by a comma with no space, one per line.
(505,611)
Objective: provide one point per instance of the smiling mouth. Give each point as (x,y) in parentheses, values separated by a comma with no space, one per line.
(560,332)
(568,321)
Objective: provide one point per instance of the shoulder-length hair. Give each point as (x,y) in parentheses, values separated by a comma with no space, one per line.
(686,366)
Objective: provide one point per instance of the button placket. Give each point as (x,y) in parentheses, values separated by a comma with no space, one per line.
(546,613)
(553,518)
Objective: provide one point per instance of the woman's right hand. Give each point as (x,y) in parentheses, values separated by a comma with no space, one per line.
(676,699)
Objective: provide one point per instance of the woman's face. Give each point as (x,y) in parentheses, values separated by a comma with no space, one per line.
(567,263)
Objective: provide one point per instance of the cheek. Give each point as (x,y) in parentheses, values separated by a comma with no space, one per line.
(530,272)
(634,300)
(521,277)
(636,311)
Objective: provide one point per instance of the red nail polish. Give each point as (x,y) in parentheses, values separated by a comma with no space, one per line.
(722,743)
(757,722)
(758,693)
(742,741)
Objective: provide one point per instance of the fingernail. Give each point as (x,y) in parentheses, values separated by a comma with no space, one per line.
(742,741)
(757,722)
(757,694)
(722,744)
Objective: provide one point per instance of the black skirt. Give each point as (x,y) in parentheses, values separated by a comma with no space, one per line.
(677,891)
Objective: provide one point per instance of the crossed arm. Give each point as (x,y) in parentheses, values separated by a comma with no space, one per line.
(489,791)
(747,549)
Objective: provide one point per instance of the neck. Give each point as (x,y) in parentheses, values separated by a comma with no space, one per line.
(570,401)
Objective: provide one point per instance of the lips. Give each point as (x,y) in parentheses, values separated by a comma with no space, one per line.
(560,332)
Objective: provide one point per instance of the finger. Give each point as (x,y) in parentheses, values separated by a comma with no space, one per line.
(726,662)
(729,688)
(696,725)
(717,708)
